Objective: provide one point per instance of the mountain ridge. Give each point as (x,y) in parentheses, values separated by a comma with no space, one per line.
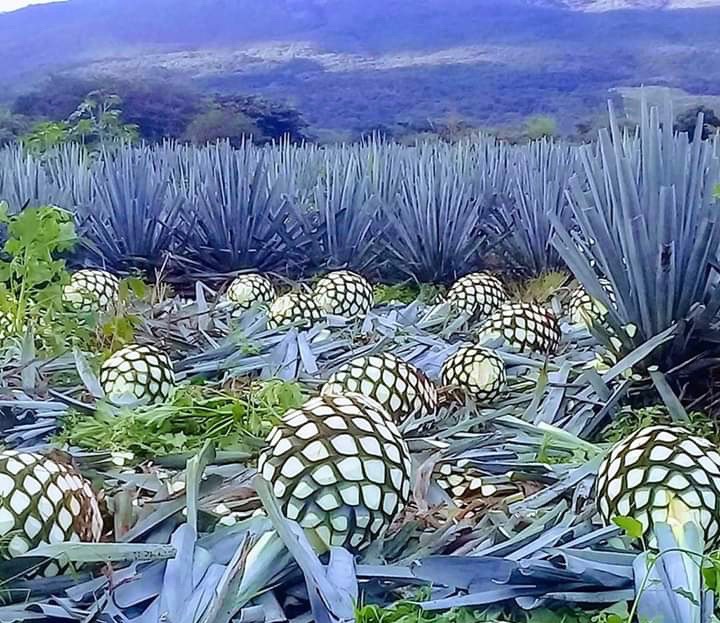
(361,62)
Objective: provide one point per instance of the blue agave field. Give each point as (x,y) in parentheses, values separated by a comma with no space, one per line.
(301,383)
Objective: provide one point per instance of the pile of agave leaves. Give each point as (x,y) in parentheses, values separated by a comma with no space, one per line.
(532,540)
(184,524)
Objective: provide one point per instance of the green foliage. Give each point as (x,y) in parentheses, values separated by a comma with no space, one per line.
(540,289)
(97,121)
(32,273)
(540,126)
(631,526)
(220,123)
(402,292)
(233,420)
(46,135)
(630,421)
(407,612)
(687,121)
(406,293)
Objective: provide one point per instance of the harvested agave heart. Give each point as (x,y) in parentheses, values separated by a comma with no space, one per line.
(250,289)
(92,290)
(44,501)
(477,372)
(340,468)
(584,309)
(399,387)
(344,293)
(477,294)
(468,486)
(294,308)
(7,328)
(525,327)
(137,375)
(662,474)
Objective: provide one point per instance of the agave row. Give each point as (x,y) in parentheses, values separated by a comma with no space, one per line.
(431,212)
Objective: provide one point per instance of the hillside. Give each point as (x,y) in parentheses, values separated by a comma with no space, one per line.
(356,63)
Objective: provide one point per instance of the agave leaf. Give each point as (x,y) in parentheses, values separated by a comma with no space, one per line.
(178,586)
(87,376)
(195,468)
(223,604)
(645,216)
(675,408)
(103,552)
(332,590)
(669,587)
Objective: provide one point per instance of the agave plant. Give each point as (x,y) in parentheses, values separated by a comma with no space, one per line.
(245,218)
(438,223)
(345,217)
(136,216)
(647,222)
(540,173)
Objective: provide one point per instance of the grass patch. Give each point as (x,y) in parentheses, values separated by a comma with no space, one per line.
(407,293)
(407,612)
(539,289)
(234,419)
(631,421)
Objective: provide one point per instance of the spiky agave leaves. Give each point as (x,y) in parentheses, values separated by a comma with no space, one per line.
(438,222)
(246,216)
(540,173)
(138,374)
(669,582)
(340,468)
(294,308)
(662,474)
(44,501)
(399,387)
(477,294)
(344,293)
(91,290)
(346,213)
(648,206)
(525,327)
(136,216)
(477,372)
(250,289)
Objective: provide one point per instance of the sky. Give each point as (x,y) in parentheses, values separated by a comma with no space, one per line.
(12,5)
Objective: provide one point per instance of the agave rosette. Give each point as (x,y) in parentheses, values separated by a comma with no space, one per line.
(478,372)
(526,327)
(250,289)
(92,289)
(294,308)
(477,294)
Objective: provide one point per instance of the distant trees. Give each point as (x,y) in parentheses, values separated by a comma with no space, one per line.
(540,126)
(161,109)
(221,123)
(12,126)
(686,121)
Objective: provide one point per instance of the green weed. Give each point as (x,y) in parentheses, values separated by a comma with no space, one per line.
(234,420)
(631,421)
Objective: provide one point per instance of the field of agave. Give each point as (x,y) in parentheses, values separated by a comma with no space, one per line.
(366,382)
